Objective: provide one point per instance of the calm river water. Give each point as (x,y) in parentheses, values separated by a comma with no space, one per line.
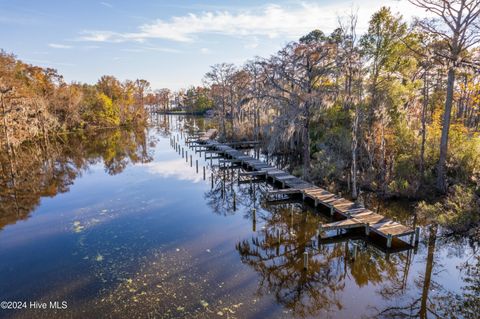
(119,225)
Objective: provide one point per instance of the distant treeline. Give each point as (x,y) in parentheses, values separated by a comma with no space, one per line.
(36,101)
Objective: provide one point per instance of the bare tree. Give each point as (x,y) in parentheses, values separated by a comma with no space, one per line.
(457,23)
(351,65)
(219,79)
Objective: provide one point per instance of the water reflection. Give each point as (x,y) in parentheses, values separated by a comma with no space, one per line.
(289,232)
(159,239)
(49,166)
(430,298)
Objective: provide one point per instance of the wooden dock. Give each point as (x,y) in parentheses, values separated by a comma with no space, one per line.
(350,214)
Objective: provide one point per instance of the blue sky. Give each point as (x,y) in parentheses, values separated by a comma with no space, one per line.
(169,43)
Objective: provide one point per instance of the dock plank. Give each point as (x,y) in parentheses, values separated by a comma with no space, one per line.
(354,214)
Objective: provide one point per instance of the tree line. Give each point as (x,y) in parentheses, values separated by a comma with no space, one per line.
(395,110)
(36,102)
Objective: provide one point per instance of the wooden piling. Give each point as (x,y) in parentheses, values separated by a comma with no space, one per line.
(305,260)
(353,215)
(234,201)
(417,235)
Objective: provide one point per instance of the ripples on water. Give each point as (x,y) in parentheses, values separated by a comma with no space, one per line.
(119,225)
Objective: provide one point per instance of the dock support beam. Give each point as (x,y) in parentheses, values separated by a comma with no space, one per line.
(417,235)
(234,201)
(389,241)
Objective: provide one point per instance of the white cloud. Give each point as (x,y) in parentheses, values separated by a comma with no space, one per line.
(90,47)
(48,62)
(205,51)
(59,46)
(271,21)
(174,168)
(106,4)
(252,43)
(150,48)
(162,49)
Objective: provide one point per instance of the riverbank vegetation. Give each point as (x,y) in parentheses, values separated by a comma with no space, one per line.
(395,110)
(36,102)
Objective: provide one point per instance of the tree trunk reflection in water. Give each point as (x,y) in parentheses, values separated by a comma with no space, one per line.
(47,167)
(428,272)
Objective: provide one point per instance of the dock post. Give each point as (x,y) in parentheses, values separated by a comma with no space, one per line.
(183,153)
(332,210)
(367,229)
(254,194)
(389,241)
(305,260)
(196,165)
(204,173)
(417,235)
(234,201)
(191,162)
(212,180)
(254,221)
(278,236)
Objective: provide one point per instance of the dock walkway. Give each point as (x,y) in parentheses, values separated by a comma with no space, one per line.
(351,214)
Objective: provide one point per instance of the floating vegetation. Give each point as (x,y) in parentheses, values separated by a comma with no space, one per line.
(142,282)
(77,227)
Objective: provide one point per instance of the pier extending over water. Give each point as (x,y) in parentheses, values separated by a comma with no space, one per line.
(348,215)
